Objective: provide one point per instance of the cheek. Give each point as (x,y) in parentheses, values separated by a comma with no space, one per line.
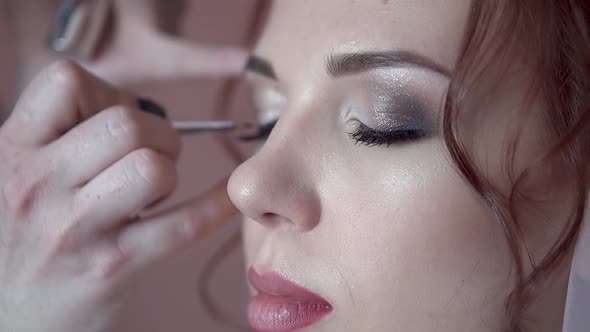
(414,239)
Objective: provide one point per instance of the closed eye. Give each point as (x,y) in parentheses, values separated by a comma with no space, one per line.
(366,135)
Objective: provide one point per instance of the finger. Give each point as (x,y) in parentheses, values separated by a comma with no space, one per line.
(97,143)
(123,190)
(184,59)
(157,237)
(158,58)
(59,97)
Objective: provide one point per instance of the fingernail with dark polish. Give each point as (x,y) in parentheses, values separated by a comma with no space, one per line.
(149,106)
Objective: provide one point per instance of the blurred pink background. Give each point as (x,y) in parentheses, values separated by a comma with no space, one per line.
(166,298)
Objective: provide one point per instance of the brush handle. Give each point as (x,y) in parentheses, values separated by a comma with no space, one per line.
(196,127)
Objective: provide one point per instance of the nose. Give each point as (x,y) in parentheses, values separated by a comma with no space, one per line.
(275,188)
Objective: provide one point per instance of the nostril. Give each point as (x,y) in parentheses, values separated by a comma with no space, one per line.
(272,220)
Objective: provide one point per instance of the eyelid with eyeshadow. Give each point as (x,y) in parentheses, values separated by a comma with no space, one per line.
(399,132)
(390,115)
(396,113)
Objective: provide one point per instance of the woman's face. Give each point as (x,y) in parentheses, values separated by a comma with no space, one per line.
(353,196)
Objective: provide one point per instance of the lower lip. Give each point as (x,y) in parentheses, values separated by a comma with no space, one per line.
(276,313)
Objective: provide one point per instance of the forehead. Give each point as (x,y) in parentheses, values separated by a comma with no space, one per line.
(301,34)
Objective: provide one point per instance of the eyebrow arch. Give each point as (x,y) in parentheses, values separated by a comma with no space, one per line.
(353,63)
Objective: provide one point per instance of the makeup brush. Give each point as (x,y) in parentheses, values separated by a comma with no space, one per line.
(197,127)
(189,127)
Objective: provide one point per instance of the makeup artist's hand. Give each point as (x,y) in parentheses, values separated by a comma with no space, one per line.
(139,51)
(141,46)
(79,161)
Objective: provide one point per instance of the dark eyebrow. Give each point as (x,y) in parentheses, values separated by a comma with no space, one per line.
(353,63)
(261,66)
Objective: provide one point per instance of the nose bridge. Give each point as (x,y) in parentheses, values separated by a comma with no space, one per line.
(297,136)
(277,186)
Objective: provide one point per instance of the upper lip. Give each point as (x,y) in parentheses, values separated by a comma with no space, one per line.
(273,284)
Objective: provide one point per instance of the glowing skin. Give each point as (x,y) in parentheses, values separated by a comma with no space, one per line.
(392,237)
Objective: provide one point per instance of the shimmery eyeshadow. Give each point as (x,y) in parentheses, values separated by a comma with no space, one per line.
(395,106)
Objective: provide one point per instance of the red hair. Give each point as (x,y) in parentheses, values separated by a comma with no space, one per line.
(552,37)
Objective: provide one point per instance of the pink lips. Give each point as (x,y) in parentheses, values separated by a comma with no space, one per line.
(282,306)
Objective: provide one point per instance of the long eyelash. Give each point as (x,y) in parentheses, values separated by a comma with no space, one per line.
(263,132)
(365,135)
